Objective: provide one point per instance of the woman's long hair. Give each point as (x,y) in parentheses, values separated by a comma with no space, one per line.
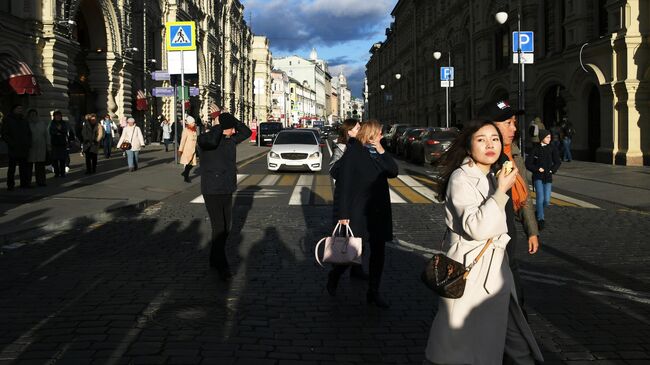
(347,125)
(456,154)
(368,129)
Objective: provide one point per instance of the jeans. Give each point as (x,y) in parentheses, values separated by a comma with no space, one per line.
(566,143)
(167,141)
(91,162)
(132,158)
(108,145)
(543,192)
(23,165)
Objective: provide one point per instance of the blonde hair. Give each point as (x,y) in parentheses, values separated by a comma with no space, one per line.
(368,130)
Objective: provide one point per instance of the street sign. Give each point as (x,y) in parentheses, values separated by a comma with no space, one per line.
(160,75)
(194,91)
(162,91)
(446,73)
(526,58)
(180,36)
(189,62)
(447,83)
(527,42)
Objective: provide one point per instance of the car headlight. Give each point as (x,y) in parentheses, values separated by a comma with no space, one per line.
(315,155)
(273,155)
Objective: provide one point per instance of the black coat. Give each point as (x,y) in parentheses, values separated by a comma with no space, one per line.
(361,193)
(17,134)
(59,136)
(219,159)
(546,157)
(89,134)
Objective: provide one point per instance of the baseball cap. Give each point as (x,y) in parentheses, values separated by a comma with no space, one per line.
(497,111)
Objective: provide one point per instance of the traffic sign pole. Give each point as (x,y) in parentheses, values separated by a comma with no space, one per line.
(182,92)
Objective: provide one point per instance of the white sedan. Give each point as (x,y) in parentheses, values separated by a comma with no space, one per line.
(295,149)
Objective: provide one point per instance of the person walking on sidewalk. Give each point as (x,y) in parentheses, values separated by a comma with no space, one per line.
(349,129)
(187,147)
(520,205)
(110,128)
(132,134)
(362,201)
(567,137)
(59,139)
(166,132)
(92,135)
(543,162)
(219,181)
(486,322)
(40,147)
(18,136)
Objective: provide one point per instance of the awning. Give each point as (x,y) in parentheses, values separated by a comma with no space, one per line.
(18,76)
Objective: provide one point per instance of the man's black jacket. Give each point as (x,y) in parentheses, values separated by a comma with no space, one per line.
(219,159)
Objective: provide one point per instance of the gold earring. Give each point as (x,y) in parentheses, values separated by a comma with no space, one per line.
(471,162)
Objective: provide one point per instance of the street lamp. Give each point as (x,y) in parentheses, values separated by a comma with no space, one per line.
(398,76)
(437,55)
(501,17)
(382,86)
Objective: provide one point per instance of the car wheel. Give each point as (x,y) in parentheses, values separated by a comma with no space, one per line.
(426,160)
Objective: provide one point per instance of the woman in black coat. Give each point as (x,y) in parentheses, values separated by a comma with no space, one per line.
(362,200)
(543,162)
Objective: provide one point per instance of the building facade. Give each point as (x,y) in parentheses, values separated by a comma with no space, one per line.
(93,56)
(280,97)
(262,61)
(312,71)
(302,100)
(591,67)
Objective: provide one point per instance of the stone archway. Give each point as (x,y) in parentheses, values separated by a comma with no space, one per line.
(554,105)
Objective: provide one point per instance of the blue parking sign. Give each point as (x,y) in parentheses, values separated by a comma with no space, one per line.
(446,73)
(527,42)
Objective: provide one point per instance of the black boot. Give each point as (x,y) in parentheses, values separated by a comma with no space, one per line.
(374,297)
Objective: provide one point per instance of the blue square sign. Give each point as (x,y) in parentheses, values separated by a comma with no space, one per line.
(446,73)
(527,42)
(180,36)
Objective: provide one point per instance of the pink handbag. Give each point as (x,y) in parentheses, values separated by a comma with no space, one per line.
(340,250)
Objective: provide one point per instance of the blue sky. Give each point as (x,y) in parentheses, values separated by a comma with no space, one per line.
(342,31)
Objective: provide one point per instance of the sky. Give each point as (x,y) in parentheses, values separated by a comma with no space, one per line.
(341,31)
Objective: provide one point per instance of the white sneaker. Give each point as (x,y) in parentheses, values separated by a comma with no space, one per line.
(67,169)
(51,168)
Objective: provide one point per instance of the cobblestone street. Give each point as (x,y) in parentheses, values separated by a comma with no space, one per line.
(136,288)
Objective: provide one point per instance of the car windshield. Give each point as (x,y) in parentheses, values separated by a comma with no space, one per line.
(270,127)
(401,129)
(444,135)
(296,138)
(414,132)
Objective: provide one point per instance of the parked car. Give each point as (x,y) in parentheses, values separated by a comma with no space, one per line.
(267,132)
(432,144)
(327,131)
(391,137)
(403,145)
(295,149)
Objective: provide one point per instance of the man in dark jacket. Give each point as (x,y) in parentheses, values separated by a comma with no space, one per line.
(16,132)
(219,181)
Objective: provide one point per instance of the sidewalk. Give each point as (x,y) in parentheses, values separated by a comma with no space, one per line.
(622,185)
(110,189)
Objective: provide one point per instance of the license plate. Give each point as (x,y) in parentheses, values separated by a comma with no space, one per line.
(267,139)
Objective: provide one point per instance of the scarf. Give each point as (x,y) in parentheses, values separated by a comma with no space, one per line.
(191,127)
(519,190)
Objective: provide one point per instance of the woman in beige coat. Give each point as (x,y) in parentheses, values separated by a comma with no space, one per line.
(486,323)
(187,147)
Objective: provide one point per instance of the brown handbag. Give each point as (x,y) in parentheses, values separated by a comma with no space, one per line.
(447,277)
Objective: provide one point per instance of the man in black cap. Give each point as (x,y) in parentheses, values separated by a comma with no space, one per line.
(520,204)
(219,182)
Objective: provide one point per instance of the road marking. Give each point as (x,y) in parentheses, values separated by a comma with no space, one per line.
(394,198)
(323,180)
(305,180)
(288,180)
(300,195)
(241,177)
(323,195)
(417,186)
(252,180)
(270,180)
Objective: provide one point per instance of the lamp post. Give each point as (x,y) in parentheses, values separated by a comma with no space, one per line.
(437,55)
(501,17)
(397,77)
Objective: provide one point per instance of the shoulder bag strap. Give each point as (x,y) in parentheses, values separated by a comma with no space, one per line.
(470,266)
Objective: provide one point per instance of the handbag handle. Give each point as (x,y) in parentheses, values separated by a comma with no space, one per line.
(316,251)
(470,266)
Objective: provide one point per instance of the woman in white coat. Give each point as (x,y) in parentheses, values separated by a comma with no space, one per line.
(132,134)
(486,323)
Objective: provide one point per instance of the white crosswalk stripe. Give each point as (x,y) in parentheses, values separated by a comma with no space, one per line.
(302,190)
(394,198)
(417,186)
(270,180)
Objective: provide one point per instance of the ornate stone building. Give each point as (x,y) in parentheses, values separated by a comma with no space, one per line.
(94,55)
(591,67)
(262,62)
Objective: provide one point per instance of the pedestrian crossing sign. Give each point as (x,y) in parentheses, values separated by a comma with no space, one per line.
(180,36)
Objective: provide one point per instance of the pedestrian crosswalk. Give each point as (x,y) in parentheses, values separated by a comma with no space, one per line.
(309,189)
